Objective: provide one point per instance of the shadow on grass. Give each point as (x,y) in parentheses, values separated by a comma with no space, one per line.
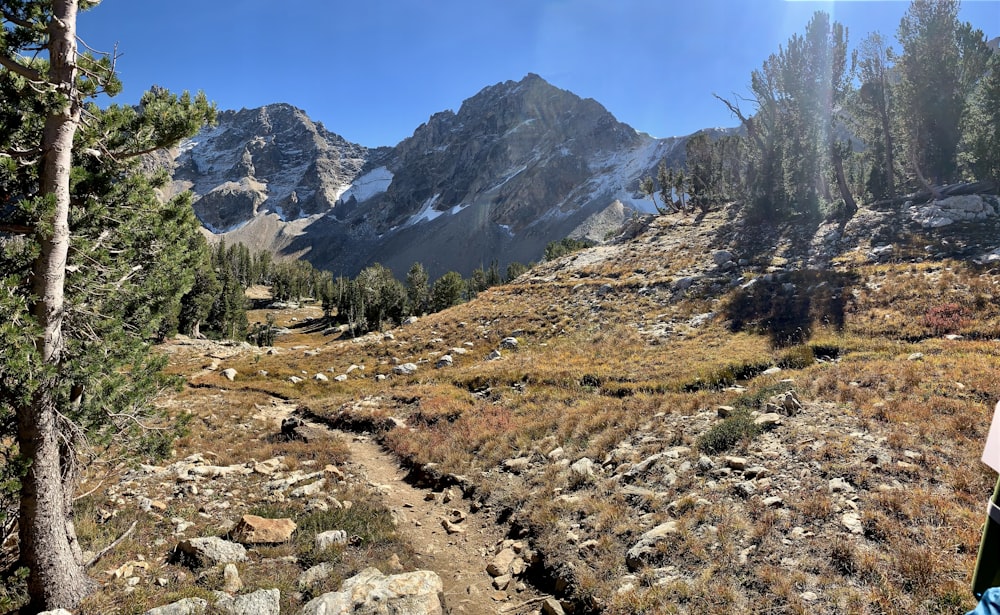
(786,307)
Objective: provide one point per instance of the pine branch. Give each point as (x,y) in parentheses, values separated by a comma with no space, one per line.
(16,67)
(17,21)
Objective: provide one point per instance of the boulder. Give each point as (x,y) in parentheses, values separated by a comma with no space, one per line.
(252,530)
(509,343)
(210,551)
(444,361)
(230,374)
(187,606)
(646,547)
(721,257)
(325,540)
(315,574)
(260,602)
(501,563)
(372,593)
(405,369)
(584,467)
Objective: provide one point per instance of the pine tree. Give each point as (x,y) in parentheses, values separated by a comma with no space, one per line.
(417,290)
(447,291)
(941,64)
(77,323)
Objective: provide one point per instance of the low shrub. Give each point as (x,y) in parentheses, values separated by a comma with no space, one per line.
(737,427)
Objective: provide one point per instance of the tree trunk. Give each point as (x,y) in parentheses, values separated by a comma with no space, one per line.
(890,171)
(47,539)
(845,190)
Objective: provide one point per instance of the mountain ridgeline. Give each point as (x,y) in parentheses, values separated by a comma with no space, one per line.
(520,164)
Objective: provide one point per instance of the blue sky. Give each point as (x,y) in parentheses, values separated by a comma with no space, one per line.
(374,70)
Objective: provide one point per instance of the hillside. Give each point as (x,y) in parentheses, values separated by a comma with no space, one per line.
(709,417)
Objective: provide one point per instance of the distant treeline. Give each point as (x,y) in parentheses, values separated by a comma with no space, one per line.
(216,305)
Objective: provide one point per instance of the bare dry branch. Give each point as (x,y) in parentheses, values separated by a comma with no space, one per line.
(111,546)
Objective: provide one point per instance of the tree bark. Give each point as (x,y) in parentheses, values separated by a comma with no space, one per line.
(47,540)
(890,163)
(845,190)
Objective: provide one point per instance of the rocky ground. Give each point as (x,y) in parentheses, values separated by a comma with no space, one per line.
(621,430)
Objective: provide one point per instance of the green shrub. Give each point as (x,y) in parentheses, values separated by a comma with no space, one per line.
(737,427)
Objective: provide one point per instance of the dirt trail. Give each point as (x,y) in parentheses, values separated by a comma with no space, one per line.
(459,558)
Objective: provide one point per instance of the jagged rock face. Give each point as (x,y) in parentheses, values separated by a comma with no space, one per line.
(268,160)
(521,164)
(520,148)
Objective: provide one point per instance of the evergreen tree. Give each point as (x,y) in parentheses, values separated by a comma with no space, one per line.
(514,271)
(665,177)
(382,295)
(417,290)
(792,145)
(197,302)
(648,188)
(447,291)
(941,63)
(871,113)
(77,323)
(981,140)
(476,283)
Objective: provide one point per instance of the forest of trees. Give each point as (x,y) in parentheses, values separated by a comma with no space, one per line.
(825,127)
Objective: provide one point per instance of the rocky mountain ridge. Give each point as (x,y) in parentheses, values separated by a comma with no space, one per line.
(519,165)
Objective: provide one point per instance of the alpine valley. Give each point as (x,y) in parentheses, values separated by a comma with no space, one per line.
(520,165)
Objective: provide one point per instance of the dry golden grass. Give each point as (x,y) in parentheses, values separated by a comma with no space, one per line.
(610,367)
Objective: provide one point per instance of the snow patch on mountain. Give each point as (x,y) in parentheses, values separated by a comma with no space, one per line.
(619,172)
(368,185)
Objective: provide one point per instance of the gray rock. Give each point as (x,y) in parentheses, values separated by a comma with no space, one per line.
(493,356)
(230,374)
(260,602)
(405,369)
(325,540)
(744,489)
(409,320)
(683,283)
(551,606)
(839,485)
(340,377)
(321,378)
(852,521)
(372,593)
(509,343)
(315,574)
(584,467)
(231,582)
(187,606)
(721,257)
(444,361)
(646,547)
(211,550)
(769,420)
